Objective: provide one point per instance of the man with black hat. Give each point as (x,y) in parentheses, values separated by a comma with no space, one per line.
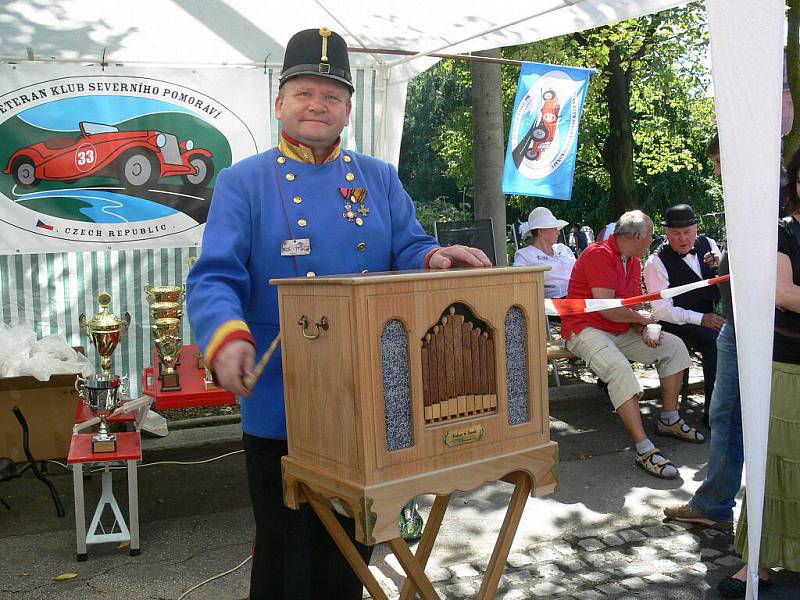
(686,258)
(304,208)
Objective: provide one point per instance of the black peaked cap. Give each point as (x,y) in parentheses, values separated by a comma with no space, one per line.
(304,56)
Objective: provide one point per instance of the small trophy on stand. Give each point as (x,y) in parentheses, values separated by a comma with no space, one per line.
(102,392)
(168,346)
(166,312)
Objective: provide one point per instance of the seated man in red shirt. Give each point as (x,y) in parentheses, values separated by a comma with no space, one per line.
(607,340)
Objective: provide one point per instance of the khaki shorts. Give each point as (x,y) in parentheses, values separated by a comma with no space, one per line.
(607,355)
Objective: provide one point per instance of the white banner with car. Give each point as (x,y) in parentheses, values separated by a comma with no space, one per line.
(119,158)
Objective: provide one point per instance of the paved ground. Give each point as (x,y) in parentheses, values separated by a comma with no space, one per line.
(600,536)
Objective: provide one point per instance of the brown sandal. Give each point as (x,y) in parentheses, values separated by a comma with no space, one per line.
(680,430)
(645,462)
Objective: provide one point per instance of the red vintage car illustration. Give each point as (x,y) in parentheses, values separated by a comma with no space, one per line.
(137,158)
(541,132)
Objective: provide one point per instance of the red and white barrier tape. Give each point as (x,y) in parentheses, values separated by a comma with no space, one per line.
(569,306)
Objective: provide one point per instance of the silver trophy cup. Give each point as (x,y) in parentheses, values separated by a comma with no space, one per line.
(102,394)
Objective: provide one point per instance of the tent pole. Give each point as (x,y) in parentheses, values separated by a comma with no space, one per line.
(469,57)
(383,73)
(88,61)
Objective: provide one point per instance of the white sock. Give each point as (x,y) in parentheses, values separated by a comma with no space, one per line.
(669,417)
(644,446)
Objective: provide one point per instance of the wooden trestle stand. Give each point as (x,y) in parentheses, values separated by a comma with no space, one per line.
(408,383)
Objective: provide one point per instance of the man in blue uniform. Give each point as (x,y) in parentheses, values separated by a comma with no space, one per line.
(304,208)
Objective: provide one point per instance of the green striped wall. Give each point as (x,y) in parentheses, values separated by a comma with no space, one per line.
(50,291)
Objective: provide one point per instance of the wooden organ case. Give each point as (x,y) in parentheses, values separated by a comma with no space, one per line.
(415,382)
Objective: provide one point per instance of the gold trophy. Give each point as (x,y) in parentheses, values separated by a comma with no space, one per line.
(166,313)
(165,293)
(168,345)
(166,310)
(101,392)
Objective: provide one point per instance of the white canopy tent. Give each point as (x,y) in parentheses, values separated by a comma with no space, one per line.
(747,54)
(252,33)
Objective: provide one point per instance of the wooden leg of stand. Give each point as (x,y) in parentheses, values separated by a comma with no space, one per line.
(425,545)
(345,544)
(502,546)
(414,570)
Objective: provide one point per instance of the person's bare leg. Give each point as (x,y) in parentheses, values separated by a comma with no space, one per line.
(632,419)
(671,390)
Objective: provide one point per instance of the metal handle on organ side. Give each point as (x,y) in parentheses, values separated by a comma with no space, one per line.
(322,324)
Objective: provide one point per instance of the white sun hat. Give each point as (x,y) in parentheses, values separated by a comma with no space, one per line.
(541,218)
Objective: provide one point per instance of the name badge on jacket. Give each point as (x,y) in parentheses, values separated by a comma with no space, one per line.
(296,247)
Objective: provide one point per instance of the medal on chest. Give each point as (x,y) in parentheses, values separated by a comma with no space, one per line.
(355,204)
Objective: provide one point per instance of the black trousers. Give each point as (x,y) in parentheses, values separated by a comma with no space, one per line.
(294,558)
(703,340)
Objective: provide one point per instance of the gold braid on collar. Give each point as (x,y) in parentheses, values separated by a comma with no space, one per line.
(301,153)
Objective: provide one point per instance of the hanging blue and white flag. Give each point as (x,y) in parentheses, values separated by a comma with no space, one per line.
(543,137)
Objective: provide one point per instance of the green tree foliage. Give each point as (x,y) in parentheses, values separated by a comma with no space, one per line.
(438,102)
(438,209)
(661,59)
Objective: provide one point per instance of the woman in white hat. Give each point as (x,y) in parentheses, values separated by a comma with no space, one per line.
(542,228)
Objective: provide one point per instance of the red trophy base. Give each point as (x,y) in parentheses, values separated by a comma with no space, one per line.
(193,392)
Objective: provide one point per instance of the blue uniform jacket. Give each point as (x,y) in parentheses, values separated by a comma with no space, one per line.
(268,198)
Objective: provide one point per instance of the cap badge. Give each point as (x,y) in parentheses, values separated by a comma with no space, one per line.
(325,33)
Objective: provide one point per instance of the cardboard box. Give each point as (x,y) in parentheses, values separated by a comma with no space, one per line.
(48,407)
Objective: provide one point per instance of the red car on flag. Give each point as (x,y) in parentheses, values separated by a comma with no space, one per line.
(541,132)
(137,158)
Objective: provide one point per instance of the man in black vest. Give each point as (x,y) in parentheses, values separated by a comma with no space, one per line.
(686,258)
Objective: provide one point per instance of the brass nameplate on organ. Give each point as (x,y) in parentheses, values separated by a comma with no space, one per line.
(456,437)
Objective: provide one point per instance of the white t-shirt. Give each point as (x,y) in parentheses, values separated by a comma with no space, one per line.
(556,280)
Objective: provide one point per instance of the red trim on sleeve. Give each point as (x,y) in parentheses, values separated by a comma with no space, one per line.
(429,256)
(240,334)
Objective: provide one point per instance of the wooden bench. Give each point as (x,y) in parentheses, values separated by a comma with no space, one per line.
(556,349)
